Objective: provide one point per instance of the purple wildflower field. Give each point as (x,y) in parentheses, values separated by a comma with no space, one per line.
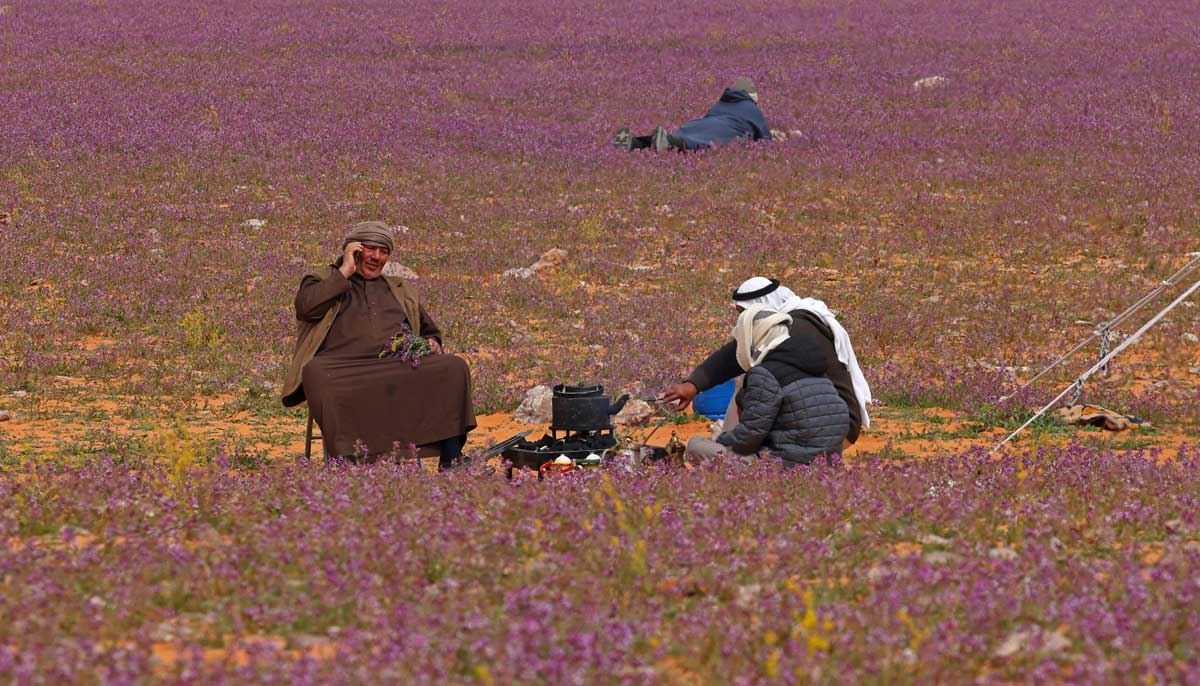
(1064,566)
(168,171)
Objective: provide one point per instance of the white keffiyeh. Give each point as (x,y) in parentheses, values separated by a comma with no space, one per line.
(758,331)
(782,299)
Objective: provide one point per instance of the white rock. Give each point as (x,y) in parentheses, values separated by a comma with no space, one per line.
(1016,642)
(5,416)
(746,595)
(309,641)
(537,407)
(254,223)
(550,260)
(1055,642)
(634,413)
(638,674)
(19,394)
(941,557)
(933,539)
(1191,338)
(1002,553)
(394,268)
(1022,640)
(929,82)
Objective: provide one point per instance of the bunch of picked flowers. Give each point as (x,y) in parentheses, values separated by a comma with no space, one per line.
(407,347)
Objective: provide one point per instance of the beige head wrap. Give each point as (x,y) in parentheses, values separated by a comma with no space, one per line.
(375,233)
(743,83)
(758,331)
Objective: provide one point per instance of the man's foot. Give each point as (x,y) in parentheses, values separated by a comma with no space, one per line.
(661,140)
(624,140)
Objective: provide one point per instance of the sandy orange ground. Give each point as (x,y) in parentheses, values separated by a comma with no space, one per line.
(884,431)
(76,417)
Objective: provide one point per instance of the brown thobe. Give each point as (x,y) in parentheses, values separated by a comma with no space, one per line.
(369,405)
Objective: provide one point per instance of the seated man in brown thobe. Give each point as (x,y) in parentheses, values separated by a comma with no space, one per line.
(368,406)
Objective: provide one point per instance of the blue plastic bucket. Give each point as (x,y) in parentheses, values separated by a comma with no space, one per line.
(713,402)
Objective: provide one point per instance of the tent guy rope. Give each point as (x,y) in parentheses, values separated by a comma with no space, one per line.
(1107,327)
(1099,365)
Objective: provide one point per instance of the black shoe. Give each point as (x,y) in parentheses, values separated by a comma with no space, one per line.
(624,140)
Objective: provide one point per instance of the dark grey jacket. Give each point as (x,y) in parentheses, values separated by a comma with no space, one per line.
(789,407)
(722,365)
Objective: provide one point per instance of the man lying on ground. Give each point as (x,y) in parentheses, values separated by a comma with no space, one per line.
(735,116)
(366,405)
(788,405)
(812,321)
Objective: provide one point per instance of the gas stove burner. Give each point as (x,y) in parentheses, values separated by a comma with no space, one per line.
(576,445)
(579,442)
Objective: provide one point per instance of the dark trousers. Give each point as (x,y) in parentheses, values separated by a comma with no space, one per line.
(451,451)
(642,142)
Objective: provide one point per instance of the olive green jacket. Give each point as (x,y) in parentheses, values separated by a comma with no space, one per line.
(310,335)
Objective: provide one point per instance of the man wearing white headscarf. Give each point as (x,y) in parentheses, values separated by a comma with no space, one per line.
(790,409)
(811,320)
